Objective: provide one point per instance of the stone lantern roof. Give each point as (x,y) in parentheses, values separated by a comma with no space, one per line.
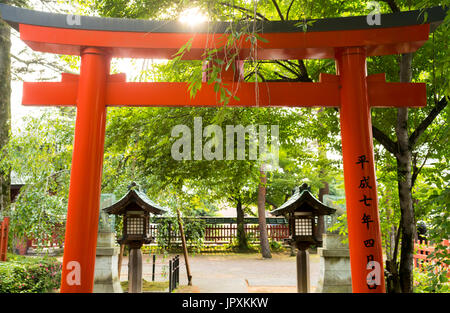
(132,200)
(303,201)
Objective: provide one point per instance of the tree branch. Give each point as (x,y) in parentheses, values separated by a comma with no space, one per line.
(301,74)
(278,9)
(271,203)
(392,5)
(50,65)
(384,140)
(304,71)
(253,73)
(244,10)
(287,67)
(285,78)
(427,122)
(289,9)
(417,170)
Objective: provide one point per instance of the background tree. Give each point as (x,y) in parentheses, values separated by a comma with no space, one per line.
(40,155)
(406,146)
(15,64)
(5,107)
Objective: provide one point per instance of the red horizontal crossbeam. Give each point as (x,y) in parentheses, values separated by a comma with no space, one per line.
(160,94)
(274,46)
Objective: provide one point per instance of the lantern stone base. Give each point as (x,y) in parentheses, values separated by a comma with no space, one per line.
(106,279)
(335,274)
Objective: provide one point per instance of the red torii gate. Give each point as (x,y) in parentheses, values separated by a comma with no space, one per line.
(347,40)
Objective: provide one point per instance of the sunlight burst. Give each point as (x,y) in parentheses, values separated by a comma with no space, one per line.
(192,17)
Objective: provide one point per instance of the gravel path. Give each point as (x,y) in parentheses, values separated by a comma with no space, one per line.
(234,273)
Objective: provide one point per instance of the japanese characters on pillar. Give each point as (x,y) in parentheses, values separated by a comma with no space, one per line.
(368,198)
(364,234)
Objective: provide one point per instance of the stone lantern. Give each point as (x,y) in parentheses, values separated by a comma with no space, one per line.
(302,211)
(135,208)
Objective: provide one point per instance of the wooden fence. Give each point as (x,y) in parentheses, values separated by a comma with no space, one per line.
(225,233)
(423,250)
(4,231)
(54,241)
(215,233)
(48,242)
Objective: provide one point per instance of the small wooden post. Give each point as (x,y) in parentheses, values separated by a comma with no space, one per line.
(169,233)
(119,265)
(170,276)
(231,233)
(153,267)
(177,271)
(185,252)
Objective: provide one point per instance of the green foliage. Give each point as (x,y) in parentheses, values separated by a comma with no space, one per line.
(340,227)
(194,232)
(39,155)
(426,282)
(276,246)
(432,278)
(435,207)
(149,286)
(236,246)
(165,228)
(38,215)
(29,274)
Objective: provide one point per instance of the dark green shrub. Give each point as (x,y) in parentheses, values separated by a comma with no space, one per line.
(22,274)
(276,246)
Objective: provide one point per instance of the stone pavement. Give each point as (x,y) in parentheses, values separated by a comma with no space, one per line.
(233,273)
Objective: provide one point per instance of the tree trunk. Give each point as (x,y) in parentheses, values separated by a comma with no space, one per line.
(393,278)
(401,277)
(5,108)
(404,174)
(263,236)
(321,219)
(320,230)
(242,237)
(402,280)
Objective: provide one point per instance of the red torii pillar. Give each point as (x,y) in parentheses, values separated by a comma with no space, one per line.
(351,90)
(85,178)
(359,173)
